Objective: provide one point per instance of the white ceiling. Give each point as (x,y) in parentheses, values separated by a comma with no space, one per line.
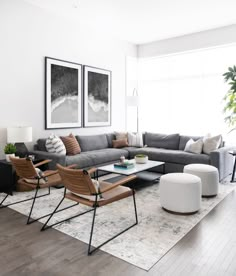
(143,21)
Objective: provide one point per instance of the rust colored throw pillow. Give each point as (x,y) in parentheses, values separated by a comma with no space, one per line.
(71,144)
(120,143)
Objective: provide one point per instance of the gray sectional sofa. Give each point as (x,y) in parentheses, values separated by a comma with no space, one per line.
(97,150)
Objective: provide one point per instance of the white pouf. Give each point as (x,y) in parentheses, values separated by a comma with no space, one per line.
(209,176)
(180,192)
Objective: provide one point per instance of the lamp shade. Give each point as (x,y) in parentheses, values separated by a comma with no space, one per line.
(132,100)
(19,134)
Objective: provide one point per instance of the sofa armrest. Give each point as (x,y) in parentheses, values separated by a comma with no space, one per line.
(223,161)
(56,158)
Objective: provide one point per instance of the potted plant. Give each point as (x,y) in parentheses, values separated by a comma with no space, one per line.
(230,97)
(141,158)
(9,150)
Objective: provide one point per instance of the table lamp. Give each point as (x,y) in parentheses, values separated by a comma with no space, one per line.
(19,136)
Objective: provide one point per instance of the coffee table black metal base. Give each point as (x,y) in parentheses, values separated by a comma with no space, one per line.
(142,171)
(233,173)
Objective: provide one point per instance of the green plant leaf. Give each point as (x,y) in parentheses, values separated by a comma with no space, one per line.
(10,149)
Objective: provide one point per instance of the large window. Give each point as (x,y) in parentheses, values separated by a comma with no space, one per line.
(183,92)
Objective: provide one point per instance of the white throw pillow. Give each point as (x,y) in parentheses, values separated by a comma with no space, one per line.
(135,139)
(211,143)
(54,144)
(194,146)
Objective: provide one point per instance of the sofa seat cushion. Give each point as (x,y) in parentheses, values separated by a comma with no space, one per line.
(132,151)
(82,160)
(96,157)
(173,156)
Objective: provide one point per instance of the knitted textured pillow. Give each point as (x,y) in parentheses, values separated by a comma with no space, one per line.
(71,144)
(55,145)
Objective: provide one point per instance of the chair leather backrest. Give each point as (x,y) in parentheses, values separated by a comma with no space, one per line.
(24,167)
(77,181)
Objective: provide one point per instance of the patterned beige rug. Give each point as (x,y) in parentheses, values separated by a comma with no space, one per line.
(143,245)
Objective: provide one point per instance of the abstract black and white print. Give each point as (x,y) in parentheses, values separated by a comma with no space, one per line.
(97,97)
(63,94)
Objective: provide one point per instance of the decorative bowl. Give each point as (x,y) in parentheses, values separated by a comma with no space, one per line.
(141,158)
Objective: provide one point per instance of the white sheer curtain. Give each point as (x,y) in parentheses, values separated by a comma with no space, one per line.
(183,92)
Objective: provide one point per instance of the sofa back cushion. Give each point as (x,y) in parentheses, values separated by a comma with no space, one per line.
(41,144)
(110,137)
(164,141)
(184,139)
(92,142)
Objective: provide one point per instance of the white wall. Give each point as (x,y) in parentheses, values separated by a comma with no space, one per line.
(27,35)
(211,38)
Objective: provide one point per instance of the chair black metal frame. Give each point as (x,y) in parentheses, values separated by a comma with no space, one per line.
(37,187)
(90,252)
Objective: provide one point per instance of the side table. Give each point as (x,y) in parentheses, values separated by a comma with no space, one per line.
(8,177)
(233,152)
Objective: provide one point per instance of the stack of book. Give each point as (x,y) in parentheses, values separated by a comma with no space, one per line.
(124,165)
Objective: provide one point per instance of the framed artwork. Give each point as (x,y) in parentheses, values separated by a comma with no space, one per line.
(63,94)
(97,97)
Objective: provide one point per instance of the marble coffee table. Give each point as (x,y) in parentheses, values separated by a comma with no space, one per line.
(141,170)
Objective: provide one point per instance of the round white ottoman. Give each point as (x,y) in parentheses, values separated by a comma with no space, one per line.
(180,193)
(209,176)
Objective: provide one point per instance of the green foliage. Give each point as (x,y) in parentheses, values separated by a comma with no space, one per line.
(230,97)
(140,155)
(9,149)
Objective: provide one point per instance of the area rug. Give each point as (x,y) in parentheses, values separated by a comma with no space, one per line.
(143,245)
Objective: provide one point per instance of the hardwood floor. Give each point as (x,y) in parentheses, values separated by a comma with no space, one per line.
(208,249)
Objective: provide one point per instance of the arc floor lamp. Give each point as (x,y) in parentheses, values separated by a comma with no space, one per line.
(134,101)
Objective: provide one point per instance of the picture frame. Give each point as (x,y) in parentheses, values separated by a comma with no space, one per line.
(63,93)
(97,96)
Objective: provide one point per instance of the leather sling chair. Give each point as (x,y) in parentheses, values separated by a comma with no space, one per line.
(79,187)
(33,178)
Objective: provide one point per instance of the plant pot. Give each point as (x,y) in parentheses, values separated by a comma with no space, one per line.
(8,156)
(141,159)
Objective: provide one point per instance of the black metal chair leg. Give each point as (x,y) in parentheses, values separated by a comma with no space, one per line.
(3,200)
(32,206)
(20,201)
(135,208)
(45,224)
(50,226)
(91,232)
(90,252)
